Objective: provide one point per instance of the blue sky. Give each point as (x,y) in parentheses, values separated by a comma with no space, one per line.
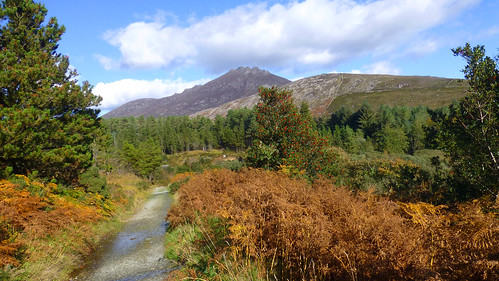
(131,49)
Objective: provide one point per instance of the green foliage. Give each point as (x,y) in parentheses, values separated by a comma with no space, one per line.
(176,134)
(397,179)
(188,245)
(174,186)
(350,140)
(391,139)
(179,243)
(144,158)
(4,275)
(470,133)
(48,122)
(233,165)
(263,155)
(94,182)
(396,130)
(367,119)
(285,138)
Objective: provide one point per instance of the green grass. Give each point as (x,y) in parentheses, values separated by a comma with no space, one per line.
(425,97)
(410,91)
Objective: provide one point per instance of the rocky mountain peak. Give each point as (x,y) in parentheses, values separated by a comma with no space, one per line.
(235,84)
(249,71)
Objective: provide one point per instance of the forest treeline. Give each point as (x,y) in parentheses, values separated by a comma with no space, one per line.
(398,129)
(174,134)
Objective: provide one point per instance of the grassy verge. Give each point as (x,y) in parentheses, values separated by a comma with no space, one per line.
(196,248)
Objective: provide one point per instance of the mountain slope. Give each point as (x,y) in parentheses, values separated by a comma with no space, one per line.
(327,92)
(235,84)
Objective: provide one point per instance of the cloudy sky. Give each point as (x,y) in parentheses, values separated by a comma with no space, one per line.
(130,49)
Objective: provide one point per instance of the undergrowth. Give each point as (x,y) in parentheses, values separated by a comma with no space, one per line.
(262,225)
(47,229)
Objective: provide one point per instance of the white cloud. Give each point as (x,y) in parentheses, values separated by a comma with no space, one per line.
(107,63)
(423,47)
(119,92)
(382,67)
(150,45)
(308,33)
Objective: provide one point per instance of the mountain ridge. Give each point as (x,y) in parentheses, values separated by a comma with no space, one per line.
(324,93)
(235,84)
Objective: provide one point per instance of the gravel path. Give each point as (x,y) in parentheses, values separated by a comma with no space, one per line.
(135,253)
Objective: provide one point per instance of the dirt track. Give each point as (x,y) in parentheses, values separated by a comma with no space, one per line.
(136,252)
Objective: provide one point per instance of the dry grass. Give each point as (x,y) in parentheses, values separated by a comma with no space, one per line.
(298,231)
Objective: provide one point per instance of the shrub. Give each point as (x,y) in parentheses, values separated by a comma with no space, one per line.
(93,182)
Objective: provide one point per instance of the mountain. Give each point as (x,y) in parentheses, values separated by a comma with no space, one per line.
(235,84)
(327,92)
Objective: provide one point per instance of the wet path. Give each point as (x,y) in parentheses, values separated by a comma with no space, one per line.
(135,253)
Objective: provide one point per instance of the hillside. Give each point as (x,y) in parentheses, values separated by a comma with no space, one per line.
(235,84)
(327,92)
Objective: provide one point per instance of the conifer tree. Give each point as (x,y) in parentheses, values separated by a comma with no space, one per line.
(367,119)
(47,119)
(145,158)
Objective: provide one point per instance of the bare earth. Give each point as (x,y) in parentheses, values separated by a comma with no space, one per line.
(135,253)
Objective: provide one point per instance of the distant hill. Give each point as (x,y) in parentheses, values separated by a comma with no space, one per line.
(235,84)
(327,92)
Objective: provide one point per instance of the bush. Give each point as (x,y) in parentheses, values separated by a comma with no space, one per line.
(93,182)
(398,179)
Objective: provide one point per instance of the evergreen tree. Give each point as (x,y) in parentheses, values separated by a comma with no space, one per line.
(391,139)
(47,122)
(367,119)
(416,132)
(343,116)
(144,158)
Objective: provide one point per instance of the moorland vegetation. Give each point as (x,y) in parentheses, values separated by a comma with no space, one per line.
(268,193)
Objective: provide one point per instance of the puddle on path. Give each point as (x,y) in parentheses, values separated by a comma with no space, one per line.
(136,252)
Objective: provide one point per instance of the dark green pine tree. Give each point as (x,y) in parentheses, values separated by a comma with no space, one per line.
(47,122)
(367,119)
